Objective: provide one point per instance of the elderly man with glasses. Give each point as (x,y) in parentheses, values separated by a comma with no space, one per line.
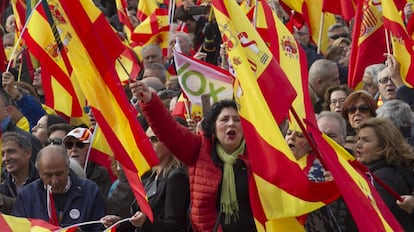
(77,144)
(391,85)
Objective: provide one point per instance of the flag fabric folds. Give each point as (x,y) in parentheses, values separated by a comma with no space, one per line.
(344,8)
(51,53)
(16,224)
(93,50)
(311,10)
(145,9)
(154,30)
(357,191)
(273,196)
(353,184)
(402,43)
(197,78)
(368,41)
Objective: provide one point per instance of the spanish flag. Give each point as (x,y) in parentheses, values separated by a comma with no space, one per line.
(368,41)
(402,43)
(49,47)
(276,199)
(93,50)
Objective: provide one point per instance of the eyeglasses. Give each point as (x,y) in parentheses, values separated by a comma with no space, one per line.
(343,35)
(385,80)
(78,144)
(153,139)
(336,101)
(362,108)
(54,141)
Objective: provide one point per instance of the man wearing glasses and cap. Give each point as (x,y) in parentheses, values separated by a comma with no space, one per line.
(77,144)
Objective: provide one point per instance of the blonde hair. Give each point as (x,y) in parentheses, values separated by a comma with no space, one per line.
(394,148)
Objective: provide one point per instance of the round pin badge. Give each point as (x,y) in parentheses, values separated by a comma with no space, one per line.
(74,214)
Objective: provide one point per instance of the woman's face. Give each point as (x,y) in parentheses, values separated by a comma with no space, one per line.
(40,130)
(358,112)
(337,100)
(367,146)
(297,143)
(228,129)
(160,149)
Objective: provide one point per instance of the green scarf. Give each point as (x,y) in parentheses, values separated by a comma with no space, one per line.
(228,198)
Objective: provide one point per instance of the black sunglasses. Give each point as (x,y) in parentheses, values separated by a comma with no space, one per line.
(54,141)
(79,144)
(362,108)
(343,35)
(153,139)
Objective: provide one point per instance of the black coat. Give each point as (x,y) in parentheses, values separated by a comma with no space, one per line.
(170,202)
(401,181)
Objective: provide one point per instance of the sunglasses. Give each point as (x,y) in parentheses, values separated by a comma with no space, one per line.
(153,139)
(343,35)
(54,141)
(362,108)
(78,144)
(385,80)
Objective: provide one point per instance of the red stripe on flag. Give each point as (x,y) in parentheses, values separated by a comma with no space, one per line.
(128,165)
(275,166)
(104,160)
(359,205)
(3,58)
(4,226)
(56,71)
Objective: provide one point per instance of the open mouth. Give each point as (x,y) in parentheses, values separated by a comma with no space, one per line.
(231,134)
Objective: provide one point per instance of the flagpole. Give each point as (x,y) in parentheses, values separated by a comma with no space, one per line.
(387,41)
(308,137)
(125,70)
(90,146)
(21,35)
(171,9)
(255,15)
(320,32)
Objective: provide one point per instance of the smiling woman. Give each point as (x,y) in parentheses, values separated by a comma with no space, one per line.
(382,148)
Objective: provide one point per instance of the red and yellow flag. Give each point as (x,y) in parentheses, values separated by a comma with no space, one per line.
(402,43)
(344,8)
(101,152)
(49,48)
(274,196)
(368,41)
(16,224)
(93,50)
(353,185)
(146,8)
(311,11)
(357,191)
(122,11)
(154,30)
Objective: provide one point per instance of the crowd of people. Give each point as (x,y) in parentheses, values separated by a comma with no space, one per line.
(202,180)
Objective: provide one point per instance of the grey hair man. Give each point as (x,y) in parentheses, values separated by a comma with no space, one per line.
(322,74)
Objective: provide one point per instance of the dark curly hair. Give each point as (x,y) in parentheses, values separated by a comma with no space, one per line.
(209,122)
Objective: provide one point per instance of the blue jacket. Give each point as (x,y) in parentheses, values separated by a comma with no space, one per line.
(31,109)
(83,203)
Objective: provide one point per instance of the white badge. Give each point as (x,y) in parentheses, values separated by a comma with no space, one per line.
(74,214)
